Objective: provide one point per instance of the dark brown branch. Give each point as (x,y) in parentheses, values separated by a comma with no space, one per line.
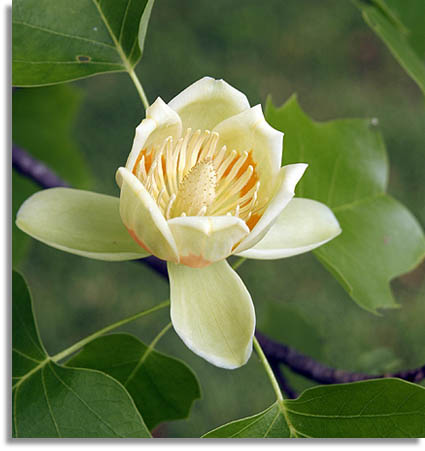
(283,383)
(310,368)
(276,353)
(34,169)
(160,266)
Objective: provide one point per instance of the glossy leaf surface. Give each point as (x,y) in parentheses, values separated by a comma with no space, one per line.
(60,40)
(163,388)
(389,408)
(50,400)
(348,171)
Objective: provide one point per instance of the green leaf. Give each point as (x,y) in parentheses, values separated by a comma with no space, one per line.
(163,388)
(270,423)
(143,26)
(348,171)
(43,120)
(395,34)
(411,15)
(386,408)
(55,41)
(50,400)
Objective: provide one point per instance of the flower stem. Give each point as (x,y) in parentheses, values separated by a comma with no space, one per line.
(139,87)
(276,388)
(269,370)
(75,347)
(149,349)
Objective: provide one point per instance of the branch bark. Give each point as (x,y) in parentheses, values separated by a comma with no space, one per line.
(310,368)
(276,353)
(34,169)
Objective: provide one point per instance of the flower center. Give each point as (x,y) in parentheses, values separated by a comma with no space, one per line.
(196,192)
(191,176)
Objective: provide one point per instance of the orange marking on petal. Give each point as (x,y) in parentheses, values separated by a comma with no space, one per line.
(229,168)
(148,160)
(138,241)
(252,221)
(248,162)
(139,157)
(164,165)
(254,177)
(194,261)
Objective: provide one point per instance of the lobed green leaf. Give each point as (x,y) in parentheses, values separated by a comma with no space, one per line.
(348,171)
(50,400)
(163,388)
(55,41)
(385,408)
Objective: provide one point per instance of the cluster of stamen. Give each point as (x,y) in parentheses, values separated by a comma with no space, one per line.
(191,176)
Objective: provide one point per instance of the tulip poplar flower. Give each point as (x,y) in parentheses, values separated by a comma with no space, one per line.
(203,181)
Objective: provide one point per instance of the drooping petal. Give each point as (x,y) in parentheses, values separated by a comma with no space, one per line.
(302,226)
(207,102)
(79,222)
(202,240)
(212,312)
(143,219)
(160,123)
(249,131)
(289,176)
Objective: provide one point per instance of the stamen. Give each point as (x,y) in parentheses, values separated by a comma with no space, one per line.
(209,149)
(141,170)
(160,196)
(170,204)
(193,147)
(190,176)
(232,174)
(219,157)
(202,211)
(222,168)
(237,186)
(180,153)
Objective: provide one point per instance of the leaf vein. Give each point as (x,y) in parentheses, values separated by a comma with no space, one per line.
(123,21)
(25,355)
(70,62)
(83,402)
(65,35)
(43,383)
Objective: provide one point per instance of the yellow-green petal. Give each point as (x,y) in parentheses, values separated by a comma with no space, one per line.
(202,240)
(301,227)
(161,122)
(288,178)
(249,131)
(79,222)
(143,218)
(212,312)
(207,102)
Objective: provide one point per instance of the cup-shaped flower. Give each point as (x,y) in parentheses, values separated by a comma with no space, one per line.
(203,181)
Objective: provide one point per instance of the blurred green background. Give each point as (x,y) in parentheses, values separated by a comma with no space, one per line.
(339,68)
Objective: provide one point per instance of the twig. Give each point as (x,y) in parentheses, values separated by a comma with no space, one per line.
(160,266)
(283,382)
(308,367)
(275,352)
(34,169)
